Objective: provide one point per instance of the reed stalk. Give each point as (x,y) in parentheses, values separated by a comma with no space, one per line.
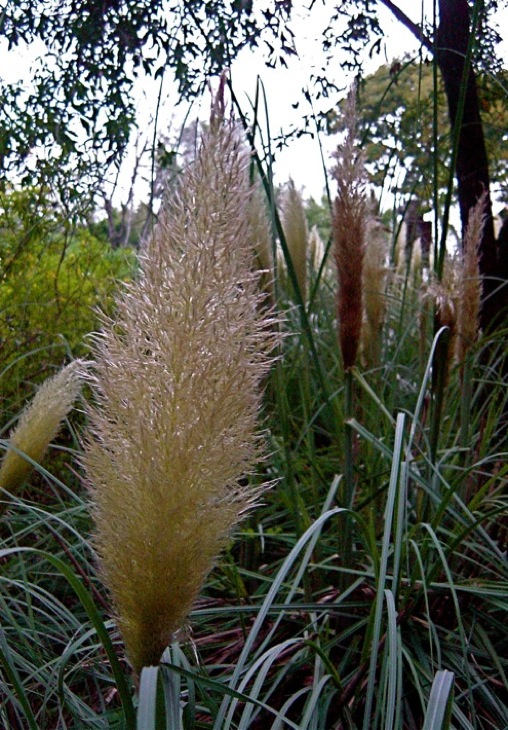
(350,216)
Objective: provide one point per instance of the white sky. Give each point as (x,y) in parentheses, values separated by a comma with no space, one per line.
(301,160)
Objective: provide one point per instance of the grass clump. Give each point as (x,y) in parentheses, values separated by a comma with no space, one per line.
(368,590)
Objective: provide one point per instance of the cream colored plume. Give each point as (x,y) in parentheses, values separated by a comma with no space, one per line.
(260,236)
(317,249)
(374,295)
(39,423)
(296,233)
(177,394)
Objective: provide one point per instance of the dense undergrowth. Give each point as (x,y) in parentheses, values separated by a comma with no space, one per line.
(368,590)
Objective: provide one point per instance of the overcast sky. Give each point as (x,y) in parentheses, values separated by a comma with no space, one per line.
(283,88)
(301,160)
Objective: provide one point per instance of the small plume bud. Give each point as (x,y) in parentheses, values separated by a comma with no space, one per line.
(296,234)
(443,296)
(260,236)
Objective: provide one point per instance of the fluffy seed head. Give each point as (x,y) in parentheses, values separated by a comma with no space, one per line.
(296,233)
(349,228)
(39,423)
(260,236)
(374,301)
(469,281)
(176,383)
(442,295)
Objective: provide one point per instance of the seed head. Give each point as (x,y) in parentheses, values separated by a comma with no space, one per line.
(349,228)
(176,381)
(296,233)
(39,423)
(469,281)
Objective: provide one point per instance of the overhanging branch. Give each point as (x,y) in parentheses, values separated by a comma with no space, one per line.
(415,29)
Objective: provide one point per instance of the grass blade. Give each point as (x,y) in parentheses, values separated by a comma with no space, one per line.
(438,713)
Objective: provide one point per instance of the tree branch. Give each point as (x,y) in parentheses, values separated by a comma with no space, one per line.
(415,29)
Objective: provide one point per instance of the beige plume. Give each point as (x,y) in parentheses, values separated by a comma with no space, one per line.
(39,424)
(177,393)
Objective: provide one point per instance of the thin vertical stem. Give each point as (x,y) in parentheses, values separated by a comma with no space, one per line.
(348,483)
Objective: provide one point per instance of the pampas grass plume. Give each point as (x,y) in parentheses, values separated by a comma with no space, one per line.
(260,236)
(374,298)
(39,423)
(177,393)
(317,249)
(442,294)
(294,225)
(469,281)
(349,228)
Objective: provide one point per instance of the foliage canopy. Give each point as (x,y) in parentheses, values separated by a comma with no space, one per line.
(396,118)
(78,106)
(53,275)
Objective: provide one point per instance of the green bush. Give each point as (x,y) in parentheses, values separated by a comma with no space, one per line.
(54,274)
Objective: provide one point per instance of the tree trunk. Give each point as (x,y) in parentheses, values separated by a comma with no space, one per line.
(472,171)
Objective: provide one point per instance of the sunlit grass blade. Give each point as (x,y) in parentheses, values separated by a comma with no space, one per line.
(147,699)
(312,533)
(458,614)
(391,662)
(373,648)
(438,715)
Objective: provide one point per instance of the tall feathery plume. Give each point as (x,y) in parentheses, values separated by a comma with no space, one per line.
(469,281)
(374,299)
(349,224)
(317,249)
(39,423)
(294,225)
(468,317)
(176,381)
(350,218)
(260,234)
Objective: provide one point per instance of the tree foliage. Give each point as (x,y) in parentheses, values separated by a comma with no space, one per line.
(396,119)
(78,102)
(79,109)
(83,88)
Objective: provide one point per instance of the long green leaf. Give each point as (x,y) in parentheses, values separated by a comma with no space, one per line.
(438,713)
(381,582)
(147,707)
(97,622)
(14,678)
